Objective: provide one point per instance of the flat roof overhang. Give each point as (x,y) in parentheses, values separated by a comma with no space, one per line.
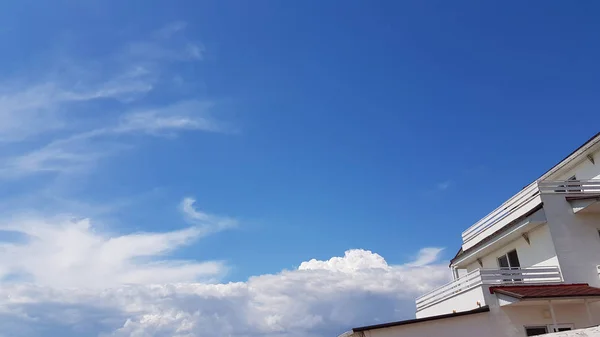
(510,232)
(585,203)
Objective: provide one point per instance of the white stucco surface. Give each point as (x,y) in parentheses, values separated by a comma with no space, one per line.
(508,321)
(583,170)
(464,301)
(576,240)
(539,252)
(476,324)
(512,320)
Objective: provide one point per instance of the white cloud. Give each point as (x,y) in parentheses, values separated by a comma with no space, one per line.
(444,185)
(204,220)
(68,108)
(187,115)
(82,150)
(426,256)
(172,28)
(66,252)
(353,260)
(166,44)
(321,298)
(43,107)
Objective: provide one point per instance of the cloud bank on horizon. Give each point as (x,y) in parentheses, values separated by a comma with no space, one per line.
(98,289)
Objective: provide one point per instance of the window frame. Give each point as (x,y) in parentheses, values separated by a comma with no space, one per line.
(550,327)
(569,326)
(505,255)
(509,276)
(545,327)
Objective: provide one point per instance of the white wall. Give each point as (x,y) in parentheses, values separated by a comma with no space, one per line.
(584,170)
(515,318)
(464,301)
(539,253)
(508,321)
(469,325)
(576,240)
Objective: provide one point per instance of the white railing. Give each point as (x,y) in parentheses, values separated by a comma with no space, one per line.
(570,186)
(512,205)
(531,275)
(520,202)
(460,285)
(521,275)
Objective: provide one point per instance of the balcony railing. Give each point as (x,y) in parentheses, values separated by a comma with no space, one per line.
(531,275)
(511,209)
(570,186)
(524,201)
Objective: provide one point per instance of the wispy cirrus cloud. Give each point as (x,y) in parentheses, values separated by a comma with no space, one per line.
(65,117)
(444,185)
(426,256)
(208,222)
(81,150)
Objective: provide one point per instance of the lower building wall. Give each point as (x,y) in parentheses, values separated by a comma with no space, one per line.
(461,302)
(507,321)
(470,325)
(512,320)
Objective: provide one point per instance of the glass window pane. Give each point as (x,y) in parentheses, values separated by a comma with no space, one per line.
(534,331)
(513,259)
(503,262)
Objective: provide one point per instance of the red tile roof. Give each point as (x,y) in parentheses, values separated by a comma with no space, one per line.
(547,291)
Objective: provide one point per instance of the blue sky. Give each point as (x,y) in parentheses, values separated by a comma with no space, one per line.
(300,129)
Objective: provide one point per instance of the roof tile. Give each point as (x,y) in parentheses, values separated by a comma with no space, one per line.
(547,291)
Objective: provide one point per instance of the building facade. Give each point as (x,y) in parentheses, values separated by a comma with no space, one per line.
(529,267)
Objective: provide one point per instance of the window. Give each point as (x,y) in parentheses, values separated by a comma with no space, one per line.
(510,261)
(560,327)
(535,330)
(542,329)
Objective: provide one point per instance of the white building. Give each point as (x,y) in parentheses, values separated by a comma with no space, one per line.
(529,267)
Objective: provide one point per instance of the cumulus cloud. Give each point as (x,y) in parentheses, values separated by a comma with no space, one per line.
(320,298)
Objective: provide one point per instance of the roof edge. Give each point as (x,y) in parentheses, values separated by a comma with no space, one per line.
(591,142)
(424,319)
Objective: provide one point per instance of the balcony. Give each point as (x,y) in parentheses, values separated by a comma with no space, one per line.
(524,202)
(466,292)
(571,187)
